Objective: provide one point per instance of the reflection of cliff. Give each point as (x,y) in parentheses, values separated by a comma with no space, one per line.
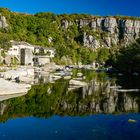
(2,108)
(54,99)
(98,97)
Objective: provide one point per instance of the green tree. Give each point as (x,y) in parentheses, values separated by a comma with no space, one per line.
(5,41)
(128,59)
(103,55)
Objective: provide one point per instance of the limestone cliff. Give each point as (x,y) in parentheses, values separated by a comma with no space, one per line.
(107,31)
(93,31)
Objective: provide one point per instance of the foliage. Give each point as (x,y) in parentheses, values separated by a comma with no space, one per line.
(68,42)
(37,29)
(5,41)
(103,55)
(127,59)
(51,99)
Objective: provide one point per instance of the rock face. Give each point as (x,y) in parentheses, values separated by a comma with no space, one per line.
(102,31)
(66,23)
(3,23)
(114,31)
(107,31)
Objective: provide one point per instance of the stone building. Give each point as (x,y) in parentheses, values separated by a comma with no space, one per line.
(23,51)
(42,55)
(28,54)
(44,51)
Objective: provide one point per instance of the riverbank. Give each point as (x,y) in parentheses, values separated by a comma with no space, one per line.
(8,87)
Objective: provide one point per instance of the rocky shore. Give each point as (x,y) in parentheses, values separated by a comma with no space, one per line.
(19,80)
(8,87)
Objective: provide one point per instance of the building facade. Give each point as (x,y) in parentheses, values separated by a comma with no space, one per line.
(28,54)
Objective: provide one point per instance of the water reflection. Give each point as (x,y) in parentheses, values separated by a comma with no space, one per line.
(105,99)
(46,100)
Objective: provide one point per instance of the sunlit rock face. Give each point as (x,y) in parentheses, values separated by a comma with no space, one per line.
(102,31)
(110,31)
(117,30)
(3,23)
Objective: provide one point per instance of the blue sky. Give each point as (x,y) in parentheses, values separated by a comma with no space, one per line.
(95,7)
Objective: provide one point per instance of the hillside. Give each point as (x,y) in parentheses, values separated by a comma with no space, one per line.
(76,36)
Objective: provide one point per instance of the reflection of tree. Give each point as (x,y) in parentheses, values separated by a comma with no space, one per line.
(54,99)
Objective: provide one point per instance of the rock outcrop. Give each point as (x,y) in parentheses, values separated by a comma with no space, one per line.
(107,31)
(100,31)
(3,22)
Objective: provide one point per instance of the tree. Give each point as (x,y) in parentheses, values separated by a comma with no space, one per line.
(128,59)
(103,55)
(5,41)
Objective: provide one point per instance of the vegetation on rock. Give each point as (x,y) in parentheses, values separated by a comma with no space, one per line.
(66,37)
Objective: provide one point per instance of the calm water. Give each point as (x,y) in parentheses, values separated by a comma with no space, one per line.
(54,112)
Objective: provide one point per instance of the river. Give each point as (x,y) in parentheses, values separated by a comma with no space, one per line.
(93,112)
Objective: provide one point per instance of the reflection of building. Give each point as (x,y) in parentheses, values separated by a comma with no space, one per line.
(28,54)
